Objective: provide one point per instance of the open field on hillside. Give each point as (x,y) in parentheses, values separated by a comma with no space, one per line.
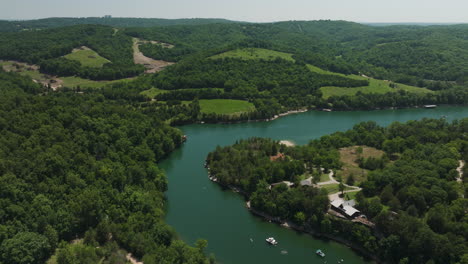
(375,86)
(151,93)
(73,82)
(32,71)
(254,54)
(225,106)
(87,57)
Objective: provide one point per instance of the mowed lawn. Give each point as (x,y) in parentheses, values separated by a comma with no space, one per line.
(87,58)
(254,54)
(333,188)
(225,106)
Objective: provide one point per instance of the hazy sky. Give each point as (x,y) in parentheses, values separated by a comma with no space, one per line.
(245,10)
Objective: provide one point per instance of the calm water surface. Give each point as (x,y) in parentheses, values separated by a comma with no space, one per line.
(198,208)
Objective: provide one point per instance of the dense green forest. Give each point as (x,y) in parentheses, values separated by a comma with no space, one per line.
(411,194)
(46,48)
(78,165)
(408,54)
(415,55)
(433,57)
(55,22)
(83,166)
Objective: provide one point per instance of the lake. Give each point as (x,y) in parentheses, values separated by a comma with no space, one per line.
(199,208)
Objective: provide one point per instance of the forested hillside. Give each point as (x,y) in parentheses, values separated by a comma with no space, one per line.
(82,167)
(21,25)
(83,125)
(413,192)
(46,48)
(408,54)
(277,67)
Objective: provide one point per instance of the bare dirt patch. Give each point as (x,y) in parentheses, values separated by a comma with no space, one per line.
(155,42)
(81,48)
(32,71)
(133,260)
(287,143)
(151,65)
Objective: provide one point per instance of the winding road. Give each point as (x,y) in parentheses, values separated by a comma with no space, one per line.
(332,180)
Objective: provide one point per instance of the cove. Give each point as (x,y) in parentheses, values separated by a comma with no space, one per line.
(199,208)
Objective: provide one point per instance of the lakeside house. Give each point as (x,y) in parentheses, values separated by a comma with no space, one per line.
(287,183)
(346,208)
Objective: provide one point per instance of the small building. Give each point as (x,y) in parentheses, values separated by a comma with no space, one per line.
(306,182)
(345,207)
(288,184)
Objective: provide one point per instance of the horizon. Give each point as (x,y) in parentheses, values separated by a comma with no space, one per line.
(256,11)
(221,18)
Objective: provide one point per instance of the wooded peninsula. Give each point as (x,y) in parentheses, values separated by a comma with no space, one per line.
(89,107)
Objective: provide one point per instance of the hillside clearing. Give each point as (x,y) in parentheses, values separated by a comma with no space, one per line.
(225,106)
(151,93)
(254,54)
(375,86)
(74,82)
(54,82)
(151,65)
(87,57)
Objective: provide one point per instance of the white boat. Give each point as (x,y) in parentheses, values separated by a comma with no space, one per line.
(320,253)
(271,241)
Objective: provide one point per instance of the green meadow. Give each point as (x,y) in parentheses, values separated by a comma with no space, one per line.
(254,54)
(87,58)
(375,86)
(225,106)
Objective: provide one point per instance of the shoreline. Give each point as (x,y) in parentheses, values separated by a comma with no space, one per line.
(290,225)
(304,110)
(287,143)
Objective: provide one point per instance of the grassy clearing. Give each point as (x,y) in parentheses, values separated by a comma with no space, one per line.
(318,70)
(375,86)
(24,69)
(87,57)
(324,178)
(70,82)
(151,93)
(226,106)
(254,54)
(73,82)
(348,157)
(350,196)
(333,188)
